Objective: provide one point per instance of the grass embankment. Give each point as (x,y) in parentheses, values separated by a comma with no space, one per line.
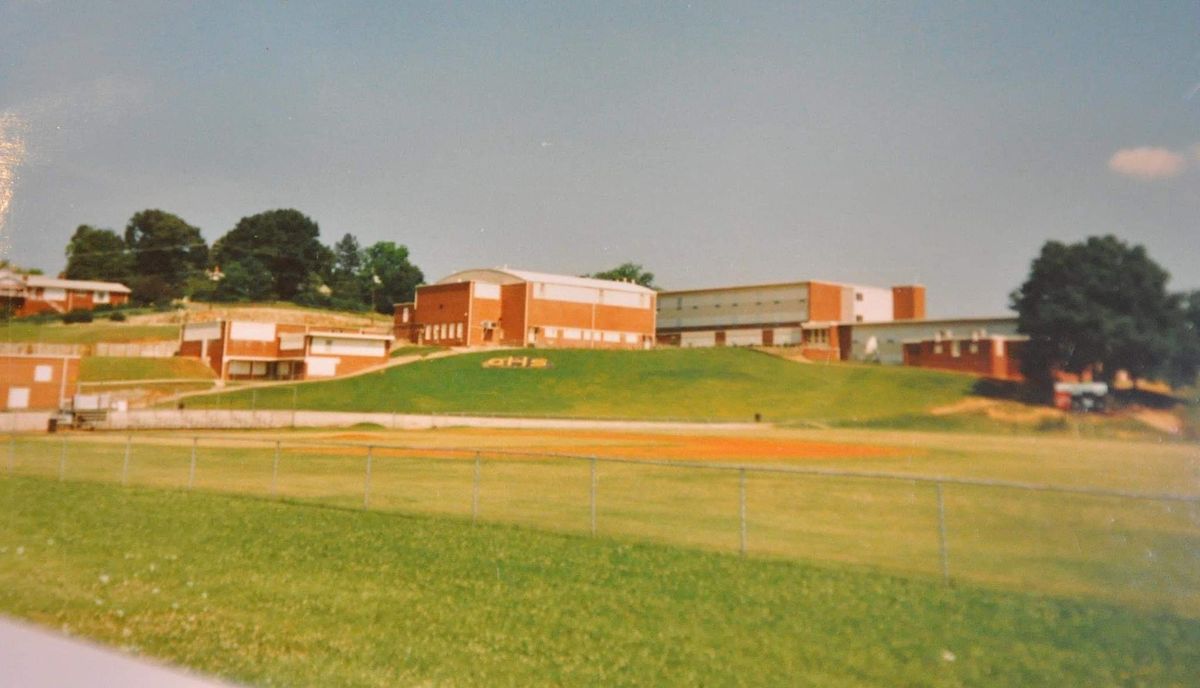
(86,333)
(699,384)
(1142,553)
(120,369)
(286,594)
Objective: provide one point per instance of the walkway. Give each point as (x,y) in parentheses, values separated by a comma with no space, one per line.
(31,657)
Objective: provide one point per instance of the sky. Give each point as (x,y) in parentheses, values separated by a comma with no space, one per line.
(940,143)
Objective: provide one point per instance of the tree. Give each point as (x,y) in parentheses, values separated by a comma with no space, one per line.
(285,242)
(347,257)
(350,288)
(628,272)
(97,254)
(392,278)
(166,252)
(243,280)
(1185,355)
(1099,304)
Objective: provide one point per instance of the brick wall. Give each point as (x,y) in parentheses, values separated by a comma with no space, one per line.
(22,373)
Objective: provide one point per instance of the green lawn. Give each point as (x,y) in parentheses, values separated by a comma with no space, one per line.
(704,384)
(277,593)
(112,368)
(86,333)
(1142,553)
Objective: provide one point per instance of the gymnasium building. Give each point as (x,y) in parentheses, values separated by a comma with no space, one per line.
(505,307)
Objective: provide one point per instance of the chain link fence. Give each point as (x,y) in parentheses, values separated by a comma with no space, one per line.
(1138,548)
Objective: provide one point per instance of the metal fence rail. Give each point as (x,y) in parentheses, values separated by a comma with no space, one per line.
(1137,546)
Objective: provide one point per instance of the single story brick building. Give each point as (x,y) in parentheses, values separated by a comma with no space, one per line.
(242,350)
(32,294)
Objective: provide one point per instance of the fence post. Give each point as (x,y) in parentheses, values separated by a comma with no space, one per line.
(12,445)
(125,463)
(367,483)
(62,461)
(295,392)
(275,472)
(475,489)
(192,466)
(253,402)
(942,548)
(593,497)
(742,509)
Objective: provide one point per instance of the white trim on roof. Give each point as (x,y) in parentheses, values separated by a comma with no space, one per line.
(75,285)
(349,335)
(510,276)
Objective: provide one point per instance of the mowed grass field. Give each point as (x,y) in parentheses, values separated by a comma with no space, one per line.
(701,384)
(86,333)
(285,594)
(116,368)
(1143,553)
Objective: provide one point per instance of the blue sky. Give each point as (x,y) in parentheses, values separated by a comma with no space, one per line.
(937,142)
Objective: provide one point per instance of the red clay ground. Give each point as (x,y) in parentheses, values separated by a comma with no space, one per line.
(670,446)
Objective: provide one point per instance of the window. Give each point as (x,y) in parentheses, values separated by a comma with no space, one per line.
(955,348)
(43,373)
(18,398)
(858,318)
(458,330)
(974,347)
(858,296)
(937,348)
(100,297)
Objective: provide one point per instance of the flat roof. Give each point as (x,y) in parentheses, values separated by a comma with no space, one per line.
(932,321)
(345,335)
(777,285)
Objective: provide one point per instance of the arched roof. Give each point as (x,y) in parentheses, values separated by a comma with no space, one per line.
(510,276)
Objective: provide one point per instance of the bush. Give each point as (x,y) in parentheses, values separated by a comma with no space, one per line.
(117,316)
(102,308)
(78,315)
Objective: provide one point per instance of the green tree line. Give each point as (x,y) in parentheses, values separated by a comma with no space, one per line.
(274,255)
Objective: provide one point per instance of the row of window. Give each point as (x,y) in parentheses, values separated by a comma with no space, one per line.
(735,304)
(442,331)
(576,334)
(955,348)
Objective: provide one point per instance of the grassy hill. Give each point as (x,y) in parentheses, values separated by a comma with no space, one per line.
(282,594)
(85,333)
(715,384)
(119,369)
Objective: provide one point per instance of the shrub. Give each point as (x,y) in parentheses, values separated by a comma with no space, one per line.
(117,316)
(78,315)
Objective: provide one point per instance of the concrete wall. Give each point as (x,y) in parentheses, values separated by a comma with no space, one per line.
(217,419)
(713,309)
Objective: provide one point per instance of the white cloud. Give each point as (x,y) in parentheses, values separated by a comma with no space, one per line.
(1147,162)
